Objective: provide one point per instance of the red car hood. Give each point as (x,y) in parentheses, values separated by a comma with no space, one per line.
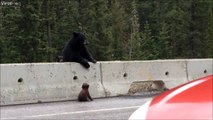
(193,100)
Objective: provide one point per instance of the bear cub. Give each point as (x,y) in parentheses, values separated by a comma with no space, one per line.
(84,94)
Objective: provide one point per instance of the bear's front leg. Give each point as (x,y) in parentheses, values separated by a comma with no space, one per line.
(83,62)
(87,55)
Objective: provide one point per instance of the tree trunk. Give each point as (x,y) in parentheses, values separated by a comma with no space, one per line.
(49,35)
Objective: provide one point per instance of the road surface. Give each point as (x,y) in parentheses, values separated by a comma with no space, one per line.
(104,108)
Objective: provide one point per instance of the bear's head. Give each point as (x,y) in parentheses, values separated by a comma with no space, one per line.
(78,38)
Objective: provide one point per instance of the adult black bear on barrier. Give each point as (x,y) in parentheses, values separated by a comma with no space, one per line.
(76,51)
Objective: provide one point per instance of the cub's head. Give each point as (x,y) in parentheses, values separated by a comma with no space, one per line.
(85,86)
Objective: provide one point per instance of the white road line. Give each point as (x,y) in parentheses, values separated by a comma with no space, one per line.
(69,113)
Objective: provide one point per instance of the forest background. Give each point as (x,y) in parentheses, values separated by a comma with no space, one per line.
(37,30)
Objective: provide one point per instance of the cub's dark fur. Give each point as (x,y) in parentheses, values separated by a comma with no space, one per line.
(84,94)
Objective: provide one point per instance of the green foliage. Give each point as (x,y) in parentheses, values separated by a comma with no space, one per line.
(37,30)
(135,38)
(148,44)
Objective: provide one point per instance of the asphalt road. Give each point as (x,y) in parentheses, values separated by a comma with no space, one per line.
(119,108)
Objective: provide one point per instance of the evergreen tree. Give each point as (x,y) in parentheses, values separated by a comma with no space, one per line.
(201,20)
(135,40)
(10,16)
(99,30)
(209,31)
(28,37)
(149,44)
(119,26)
(36,31)
(164,47)
(177,19)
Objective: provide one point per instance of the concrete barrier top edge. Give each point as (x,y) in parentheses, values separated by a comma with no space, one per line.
(116,61)
(45,63)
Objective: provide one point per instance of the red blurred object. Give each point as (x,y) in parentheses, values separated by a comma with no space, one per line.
(193,100)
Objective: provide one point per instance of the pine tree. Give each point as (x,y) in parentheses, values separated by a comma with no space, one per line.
(209,31)
(135,40)
(177,19)
(119,26)
(149,44)
(8,33)
(36,31)
(28,35)
(200,22)
(164,47)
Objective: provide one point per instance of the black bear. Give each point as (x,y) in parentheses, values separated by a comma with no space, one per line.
(84,94)
(76,51)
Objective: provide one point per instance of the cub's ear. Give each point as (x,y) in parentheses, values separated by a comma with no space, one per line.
(75,33)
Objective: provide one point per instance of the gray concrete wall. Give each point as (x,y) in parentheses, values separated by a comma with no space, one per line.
(46,82)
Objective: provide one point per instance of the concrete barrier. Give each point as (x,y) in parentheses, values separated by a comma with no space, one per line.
(45,82)
(117,76)
(197,68)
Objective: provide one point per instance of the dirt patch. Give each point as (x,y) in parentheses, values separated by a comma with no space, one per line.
(147,86)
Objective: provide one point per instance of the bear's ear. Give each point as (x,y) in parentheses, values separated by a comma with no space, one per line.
(75,33)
